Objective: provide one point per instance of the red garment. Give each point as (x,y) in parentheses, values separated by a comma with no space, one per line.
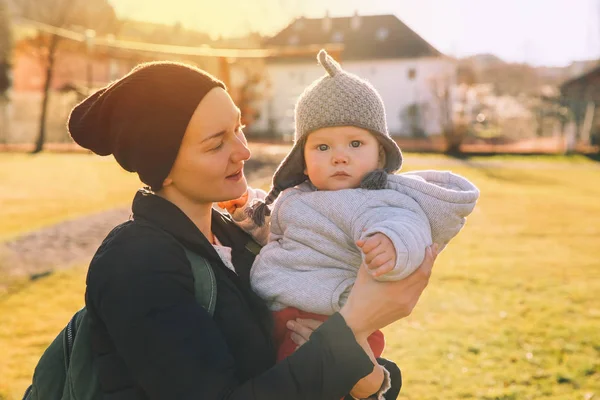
(283,336)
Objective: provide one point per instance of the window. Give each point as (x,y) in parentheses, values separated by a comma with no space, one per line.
(338,37)
(412,74)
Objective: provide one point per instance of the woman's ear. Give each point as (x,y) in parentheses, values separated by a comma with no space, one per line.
(167,182)
(382,157)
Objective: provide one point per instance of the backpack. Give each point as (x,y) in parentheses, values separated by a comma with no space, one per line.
(66,370)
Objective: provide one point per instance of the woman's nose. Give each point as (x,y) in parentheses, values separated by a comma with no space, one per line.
(241,151)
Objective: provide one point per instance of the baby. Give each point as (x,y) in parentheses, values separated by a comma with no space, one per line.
(339,205)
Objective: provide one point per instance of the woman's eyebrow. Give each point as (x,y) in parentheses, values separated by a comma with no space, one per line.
(216,135)
(221,133)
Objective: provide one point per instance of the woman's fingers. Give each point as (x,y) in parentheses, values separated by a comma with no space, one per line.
(309,323)
(373,305)
(423,273)
(436,250)
(299,340)
(302,329)
(363,273)
(417,281)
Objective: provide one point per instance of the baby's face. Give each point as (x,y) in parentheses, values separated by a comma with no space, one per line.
(338,157)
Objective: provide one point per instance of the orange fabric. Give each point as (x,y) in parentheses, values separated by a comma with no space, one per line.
(232,205)
(283,336)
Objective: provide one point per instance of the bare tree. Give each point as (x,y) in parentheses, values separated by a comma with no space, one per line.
(454,127)
(5,55)
(5,47)
(412,119)
(91,14)
(249,96)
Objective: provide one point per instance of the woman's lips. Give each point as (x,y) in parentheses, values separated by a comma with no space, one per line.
(236,176)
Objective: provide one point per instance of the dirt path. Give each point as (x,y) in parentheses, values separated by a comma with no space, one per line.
(61,245)
(74,242)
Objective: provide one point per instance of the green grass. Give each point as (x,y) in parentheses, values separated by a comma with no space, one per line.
(43,189)
(512,310)
(31,316)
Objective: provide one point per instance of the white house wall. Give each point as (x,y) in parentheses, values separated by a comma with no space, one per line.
(389,77)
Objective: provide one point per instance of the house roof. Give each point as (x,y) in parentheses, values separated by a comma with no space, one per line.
(581,79)
(363,37)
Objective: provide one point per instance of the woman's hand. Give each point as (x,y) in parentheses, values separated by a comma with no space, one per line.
(373,305)
(302,329)
(371,383)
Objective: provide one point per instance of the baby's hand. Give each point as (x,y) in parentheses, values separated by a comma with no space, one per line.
(380,254)
(232,205)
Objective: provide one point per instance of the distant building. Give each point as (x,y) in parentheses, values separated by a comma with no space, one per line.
(401,65)
(582,96)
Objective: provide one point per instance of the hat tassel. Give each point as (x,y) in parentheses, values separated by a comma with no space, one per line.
(375,180)
(258,212)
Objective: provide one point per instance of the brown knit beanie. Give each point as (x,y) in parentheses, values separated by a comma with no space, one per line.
(142,117)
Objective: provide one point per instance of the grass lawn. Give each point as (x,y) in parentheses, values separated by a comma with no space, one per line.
(43,189)
(512,311)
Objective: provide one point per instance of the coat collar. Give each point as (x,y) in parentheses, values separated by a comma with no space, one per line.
(168,216)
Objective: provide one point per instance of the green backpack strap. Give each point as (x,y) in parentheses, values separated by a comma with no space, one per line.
(205,282)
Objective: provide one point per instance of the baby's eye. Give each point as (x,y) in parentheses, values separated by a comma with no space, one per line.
(322,147)
(355,143)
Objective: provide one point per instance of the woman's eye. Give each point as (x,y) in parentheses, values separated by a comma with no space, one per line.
(218,147)
(355,143)
(322,147)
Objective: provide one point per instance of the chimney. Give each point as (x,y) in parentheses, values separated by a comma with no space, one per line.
(299,24)
(327,22)
(355,22)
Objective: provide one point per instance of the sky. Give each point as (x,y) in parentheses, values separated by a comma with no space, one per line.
(538,32)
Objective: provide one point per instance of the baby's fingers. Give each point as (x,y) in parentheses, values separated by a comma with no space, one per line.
(383,269)
(370,244)
(379,260)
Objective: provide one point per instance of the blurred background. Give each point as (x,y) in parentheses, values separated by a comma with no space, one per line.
(506,93)
(483,74)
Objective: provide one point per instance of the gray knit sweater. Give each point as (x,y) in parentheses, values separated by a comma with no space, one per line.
(310,261)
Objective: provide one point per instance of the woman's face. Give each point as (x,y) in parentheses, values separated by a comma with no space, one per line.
(210,163)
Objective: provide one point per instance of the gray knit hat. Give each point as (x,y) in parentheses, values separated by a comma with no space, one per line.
(336,99)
